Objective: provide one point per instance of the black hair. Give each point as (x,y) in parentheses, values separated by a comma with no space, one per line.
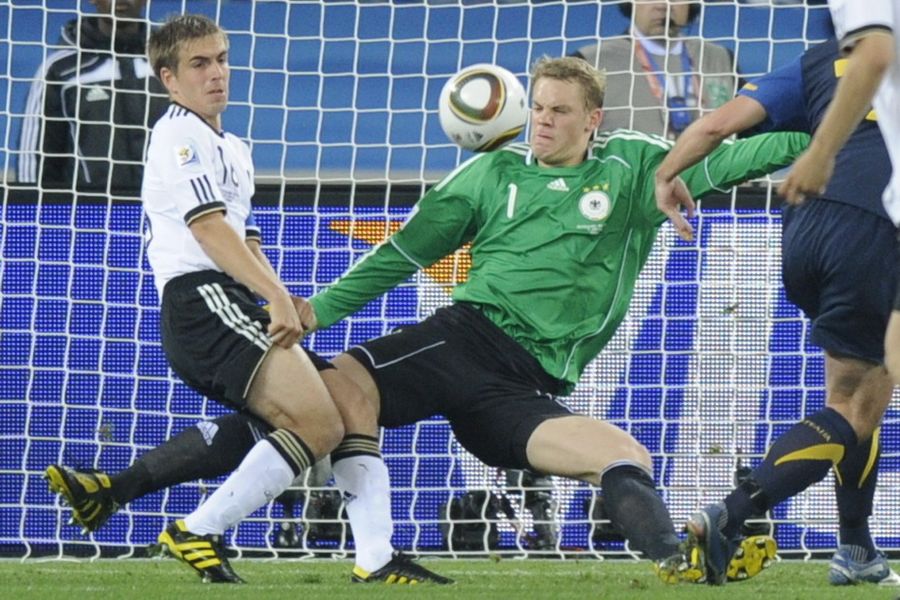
(693,11)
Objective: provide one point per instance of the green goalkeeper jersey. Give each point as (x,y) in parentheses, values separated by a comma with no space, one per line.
(555,251)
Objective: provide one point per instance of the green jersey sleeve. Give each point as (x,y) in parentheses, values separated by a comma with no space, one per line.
(440,223)
(733,162)
(736,161)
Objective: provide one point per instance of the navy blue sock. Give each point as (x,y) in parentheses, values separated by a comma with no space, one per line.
(799,458)
(855,479)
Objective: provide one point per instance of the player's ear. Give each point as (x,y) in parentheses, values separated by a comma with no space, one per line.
(595,119)
(168,79)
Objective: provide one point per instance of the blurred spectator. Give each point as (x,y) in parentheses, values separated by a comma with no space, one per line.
(91,104)
(656,79)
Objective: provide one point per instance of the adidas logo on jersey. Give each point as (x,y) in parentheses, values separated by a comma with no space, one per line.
(95,94)
(558,184)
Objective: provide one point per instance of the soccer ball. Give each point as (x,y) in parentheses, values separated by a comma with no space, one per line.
(482,107)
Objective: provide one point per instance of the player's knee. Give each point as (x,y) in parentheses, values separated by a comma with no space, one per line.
(317,422)
(892,363)
(335,432)
(633,453)
(324,429)
(358,410)
(892,347)
(639,454)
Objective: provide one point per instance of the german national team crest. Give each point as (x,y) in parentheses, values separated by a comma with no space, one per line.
(594,205)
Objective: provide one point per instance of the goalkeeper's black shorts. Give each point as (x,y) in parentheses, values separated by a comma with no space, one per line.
(459,364)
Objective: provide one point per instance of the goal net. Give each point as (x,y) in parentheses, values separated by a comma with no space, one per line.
(338,101)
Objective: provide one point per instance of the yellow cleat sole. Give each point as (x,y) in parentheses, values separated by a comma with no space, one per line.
(754,555)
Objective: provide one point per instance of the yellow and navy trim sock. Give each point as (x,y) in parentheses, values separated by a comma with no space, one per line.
(799,458)
(855,493)
(292,449)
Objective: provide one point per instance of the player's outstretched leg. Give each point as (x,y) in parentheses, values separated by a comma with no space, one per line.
(203,553)
(705,532)
(88,493)
(400,570)
(857,560)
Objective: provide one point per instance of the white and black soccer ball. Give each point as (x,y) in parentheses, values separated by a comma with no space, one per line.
(483,107)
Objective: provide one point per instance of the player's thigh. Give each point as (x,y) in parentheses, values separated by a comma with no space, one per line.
(840,267)
(214,335)
(414,373)
(288,392)
(355,395)
(498,423)
(582,448)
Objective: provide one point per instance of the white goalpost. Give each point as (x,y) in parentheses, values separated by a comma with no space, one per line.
(338,101)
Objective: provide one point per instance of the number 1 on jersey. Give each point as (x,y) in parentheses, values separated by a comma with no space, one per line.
(511,200)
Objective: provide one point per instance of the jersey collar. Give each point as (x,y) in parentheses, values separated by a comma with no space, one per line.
(531,161)
(218,132)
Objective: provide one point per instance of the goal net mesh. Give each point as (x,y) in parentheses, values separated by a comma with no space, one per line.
(338,102)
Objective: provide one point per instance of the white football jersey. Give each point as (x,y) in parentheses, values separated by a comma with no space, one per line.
(852,20)
(191,171)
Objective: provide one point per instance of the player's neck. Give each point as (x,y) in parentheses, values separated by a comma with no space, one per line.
(122,28)
(214,122)
(659,46)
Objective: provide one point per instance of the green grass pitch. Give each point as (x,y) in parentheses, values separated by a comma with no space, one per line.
(477,579)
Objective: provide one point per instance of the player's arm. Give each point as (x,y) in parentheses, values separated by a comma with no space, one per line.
(185,156)
(737,161)
(441,223)
(774,102)
(871,57)
(696,143)
(226,248)
(44,139)
(30,134)
(253,240)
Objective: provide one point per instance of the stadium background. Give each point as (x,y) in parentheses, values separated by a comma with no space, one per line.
(338,101)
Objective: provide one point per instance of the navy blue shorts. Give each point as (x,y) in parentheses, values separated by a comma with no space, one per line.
(839,265)
(459,364)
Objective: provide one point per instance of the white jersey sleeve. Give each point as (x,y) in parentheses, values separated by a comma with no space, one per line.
(192,170)
(854,19)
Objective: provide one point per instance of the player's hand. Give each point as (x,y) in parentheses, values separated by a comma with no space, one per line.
(306,313)
(671,196)
(285,327)
(808,177)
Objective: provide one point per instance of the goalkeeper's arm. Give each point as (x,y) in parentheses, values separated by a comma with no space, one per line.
(696,143)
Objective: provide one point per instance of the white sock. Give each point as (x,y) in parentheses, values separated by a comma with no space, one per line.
(366,488)
(261,476)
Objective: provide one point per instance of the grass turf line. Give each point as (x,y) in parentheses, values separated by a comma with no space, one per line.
(478,579)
